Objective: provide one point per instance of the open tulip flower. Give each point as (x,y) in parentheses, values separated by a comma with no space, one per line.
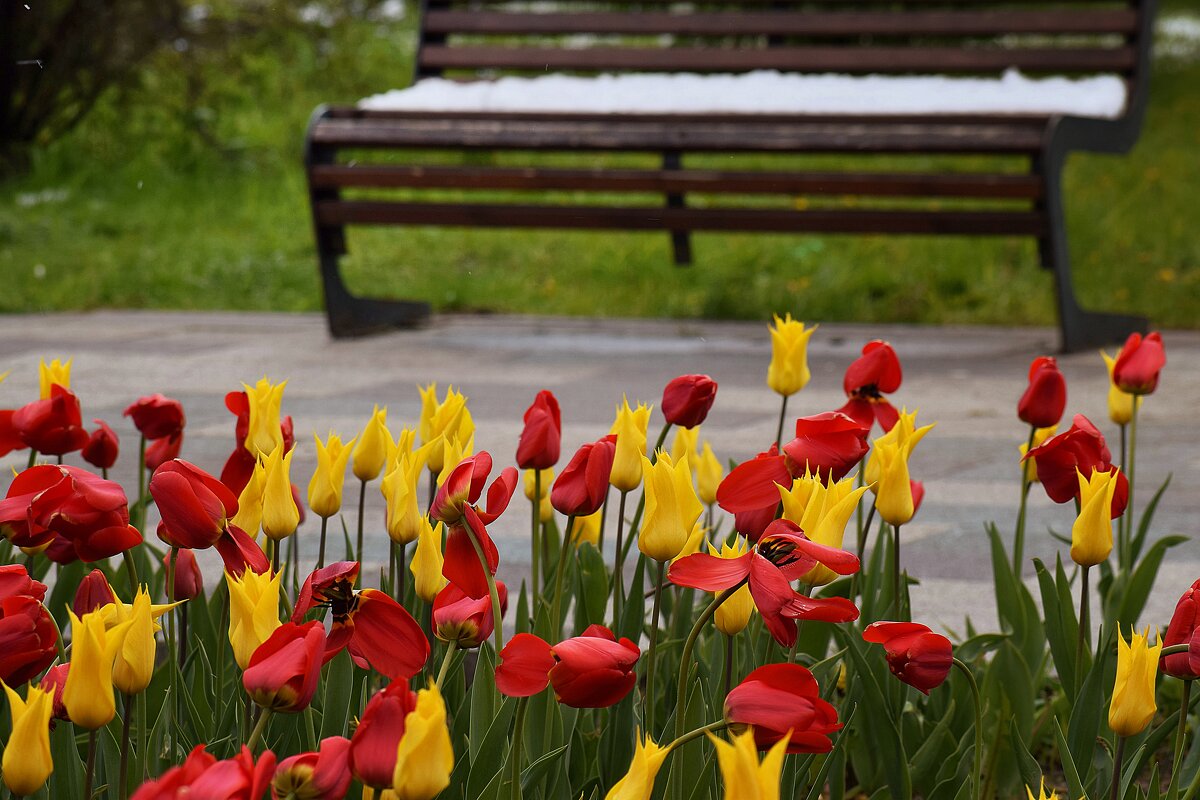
(455,505)
(743,775)
(378,631)
(239,778)
(323,775)
(1080,450)
(28,635)
(373,747)
(872,376)
(443,421)
(594,670)
(782,702)
(284,670)
(27,762)
(915,654)
(52,426)
(782,554)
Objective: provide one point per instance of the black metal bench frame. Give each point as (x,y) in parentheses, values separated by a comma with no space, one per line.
(1046,141)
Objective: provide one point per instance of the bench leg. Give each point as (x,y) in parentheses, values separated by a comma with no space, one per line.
(1080,329)
(681,241)
(350,315)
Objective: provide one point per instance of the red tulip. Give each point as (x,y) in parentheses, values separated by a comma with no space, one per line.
(28,639)
(102,446)
(917,489)
(156,416)
(458,617)
(237,778)
(55,680)
(593,670)
(15,579)
(872,375)
(239,467)
(1184,623)
(782,555)
(173,783)
(377,737)
(195,506)
(779,699)
(828,445)
(160,451)
(285,669)
(10,437)
(915,654)
(324,775)
(1081,449)
(687,399)
(1045,397)
(1138,364)
(378,631)
(454,504)
(541,438)
(81,514)
(93,592)
(53,426)
(239,552)
(581,487)
(189,583)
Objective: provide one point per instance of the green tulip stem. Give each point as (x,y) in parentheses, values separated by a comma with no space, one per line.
(400,552)
(171,650)
(1181,734)
(91,765)
(518,733)
(651,654)
(1084,623)
(1127,539)
(321,551)
(141,478)
(603,520)
(684,665)
(1174,649)
(497,615)
(123,779)
(131,569)
(451,648)
(728,678)
(896,570)
(1118,761)
(619,563)
(535,535)
(976,775)
(1019,533)
(33,454)
(362,502)
(658,445)
(264,717)
(782,417)
(556,619)
(691,736)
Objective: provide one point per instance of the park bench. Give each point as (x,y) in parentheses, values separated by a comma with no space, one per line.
(353,181)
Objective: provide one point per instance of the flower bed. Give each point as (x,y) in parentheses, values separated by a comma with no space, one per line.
(738,643)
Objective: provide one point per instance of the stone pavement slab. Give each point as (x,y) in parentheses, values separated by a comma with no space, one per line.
(967,379)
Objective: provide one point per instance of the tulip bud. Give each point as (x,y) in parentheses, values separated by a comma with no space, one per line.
(133,666)
(102,446)
(541,437)
(194,505)
(250,501)
(189,583)
(893,500)
(371,452)
(52,426)
(280,517)
(684,445)
(88,694)
(788,372)
(466,620)
(329,478)
(160,451)
(401,494)
(284,671)
(1046,396)
(27,763)
(687,399)
(582,486)
(425,757)
(53,374)
(1184,624)
(672,508)
(426,564)
(1138,364)
(156,416)
(630,429)
(93,592)
(915,654)
(545,510)
(1133,704)
(1091,534)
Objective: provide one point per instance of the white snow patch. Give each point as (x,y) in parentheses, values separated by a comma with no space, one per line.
(30,199)
(765,92)
(1178,37)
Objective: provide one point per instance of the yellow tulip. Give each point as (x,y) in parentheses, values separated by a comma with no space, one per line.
(638,782)
(442,421)
(329,478)
(586,529)
(672,508)
(733,615)
(805,491)
(263,434)
(1133,705)
(453,452)
(250,502)
(893,492)
(372,449)
(27,763)
(686,444)
(425,757)
(788,372)
(253,612)
(744,777)
(630,429)
(839,501)
(426,564)
(695,540)
(54,373)
(1120,404)
(280,515)
(1039,438)
(545,510)
(88,693)
(1041,795)
(904,434)
(708,475)
(133,666)
(401,494)
(1091,534)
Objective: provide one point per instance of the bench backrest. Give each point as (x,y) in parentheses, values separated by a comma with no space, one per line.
(482,38)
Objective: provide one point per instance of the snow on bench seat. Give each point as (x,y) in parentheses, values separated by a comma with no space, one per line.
(765,92)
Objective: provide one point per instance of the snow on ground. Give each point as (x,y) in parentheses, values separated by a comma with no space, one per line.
(766,92)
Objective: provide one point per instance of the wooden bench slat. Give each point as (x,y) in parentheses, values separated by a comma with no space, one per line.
(371,212)
(894,184)
(803,59)
(601,134)
(784,23)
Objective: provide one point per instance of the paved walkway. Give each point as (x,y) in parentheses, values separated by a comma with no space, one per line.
(966,379)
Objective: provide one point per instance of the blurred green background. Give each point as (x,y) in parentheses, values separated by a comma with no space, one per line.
(183,188)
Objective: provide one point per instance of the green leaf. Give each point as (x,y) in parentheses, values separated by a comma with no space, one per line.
(882,733)
(1031,773)
(488,755)
(1088,710)
(540,767)
(1074,783)
(484,698)
(1061,626)
(67,778)
(591,586)
(335,706)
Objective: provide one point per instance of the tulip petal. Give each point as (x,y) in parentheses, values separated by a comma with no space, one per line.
(709,573)
(387,636)
(240,553)
(751,485)
(525,664)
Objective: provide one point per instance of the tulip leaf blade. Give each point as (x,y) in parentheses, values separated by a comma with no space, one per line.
(540,767)
(484,699)
(487,755)
(335,705)
(1060,626)
(933,751)
(838,743)
(1027,765)
(67,778)
(1074,783)
(1089,707)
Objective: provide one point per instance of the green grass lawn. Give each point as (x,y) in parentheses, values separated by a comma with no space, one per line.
(132,210)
